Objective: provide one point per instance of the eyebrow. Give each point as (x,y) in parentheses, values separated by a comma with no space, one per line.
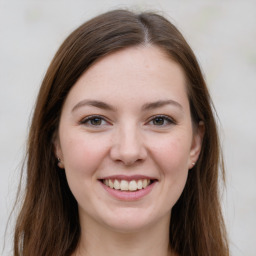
(145,107)
(160,103)
(94,103)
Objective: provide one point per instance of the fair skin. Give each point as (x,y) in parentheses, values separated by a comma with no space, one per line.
(126,123)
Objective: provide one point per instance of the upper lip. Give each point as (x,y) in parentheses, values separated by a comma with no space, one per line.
(128,178)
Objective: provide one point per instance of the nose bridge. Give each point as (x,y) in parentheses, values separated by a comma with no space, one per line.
(128,146)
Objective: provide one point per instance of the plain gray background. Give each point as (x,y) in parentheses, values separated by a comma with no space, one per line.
(222,34)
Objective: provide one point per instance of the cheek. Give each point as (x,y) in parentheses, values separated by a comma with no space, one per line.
(171,156)
(82,154)
(82,157)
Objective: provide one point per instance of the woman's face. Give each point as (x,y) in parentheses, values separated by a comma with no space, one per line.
(126,141)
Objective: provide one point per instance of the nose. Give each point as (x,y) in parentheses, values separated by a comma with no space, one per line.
(128,146)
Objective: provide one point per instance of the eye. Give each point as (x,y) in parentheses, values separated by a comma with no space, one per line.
(161,120)
(94,121)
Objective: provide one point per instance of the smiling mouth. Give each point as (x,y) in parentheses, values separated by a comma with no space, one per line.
(125,185)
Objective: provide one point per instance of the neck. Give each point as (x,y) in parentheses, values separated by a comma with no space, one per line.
(97,240)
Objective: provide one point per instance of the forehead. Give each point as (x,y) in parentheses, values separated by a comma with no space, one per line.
(143,73)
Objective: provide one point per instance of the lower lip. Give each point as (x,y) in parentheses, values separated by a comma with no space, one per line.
(129,195)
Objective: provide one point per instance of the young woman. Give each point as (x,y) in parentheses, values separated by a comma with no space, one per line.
(123,152)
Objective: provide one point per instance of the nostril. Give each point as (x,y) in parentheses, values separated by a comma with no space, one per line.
(128,151)
(132,162)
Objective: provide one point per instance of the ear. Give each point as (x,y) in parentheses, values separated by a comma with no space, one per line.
(58,151)
(196,144)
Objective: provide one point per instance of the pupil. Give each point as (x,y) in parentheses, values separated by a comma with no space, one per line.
(158,121)
(96,121)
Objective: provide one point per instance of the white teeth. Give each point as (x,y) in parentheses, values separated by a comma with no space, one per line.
(125,185)
(110,184)
(133,185)
(116,184)
(144,183)
(139,184)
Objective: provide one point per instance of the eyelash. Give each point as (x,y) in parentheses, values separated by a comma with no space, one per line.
(166,119)
(88,119)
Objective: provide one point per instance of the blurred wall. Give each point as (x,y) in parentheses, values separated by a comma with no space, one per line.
(223,36)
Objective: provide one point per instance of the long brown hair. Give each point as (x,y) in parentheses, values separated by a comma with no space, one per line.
(48,222)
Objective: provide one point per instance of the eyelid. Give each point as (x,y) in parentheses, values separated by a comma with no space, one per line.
(166,117)
(86,119)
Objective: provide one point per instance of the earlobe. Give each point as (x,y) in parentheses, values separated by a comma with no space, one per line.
(58,152)
(196,144)
(60,164)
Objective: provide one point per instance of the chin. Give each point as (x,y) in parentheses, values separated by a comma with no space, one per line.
(133,220)
(126,227)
